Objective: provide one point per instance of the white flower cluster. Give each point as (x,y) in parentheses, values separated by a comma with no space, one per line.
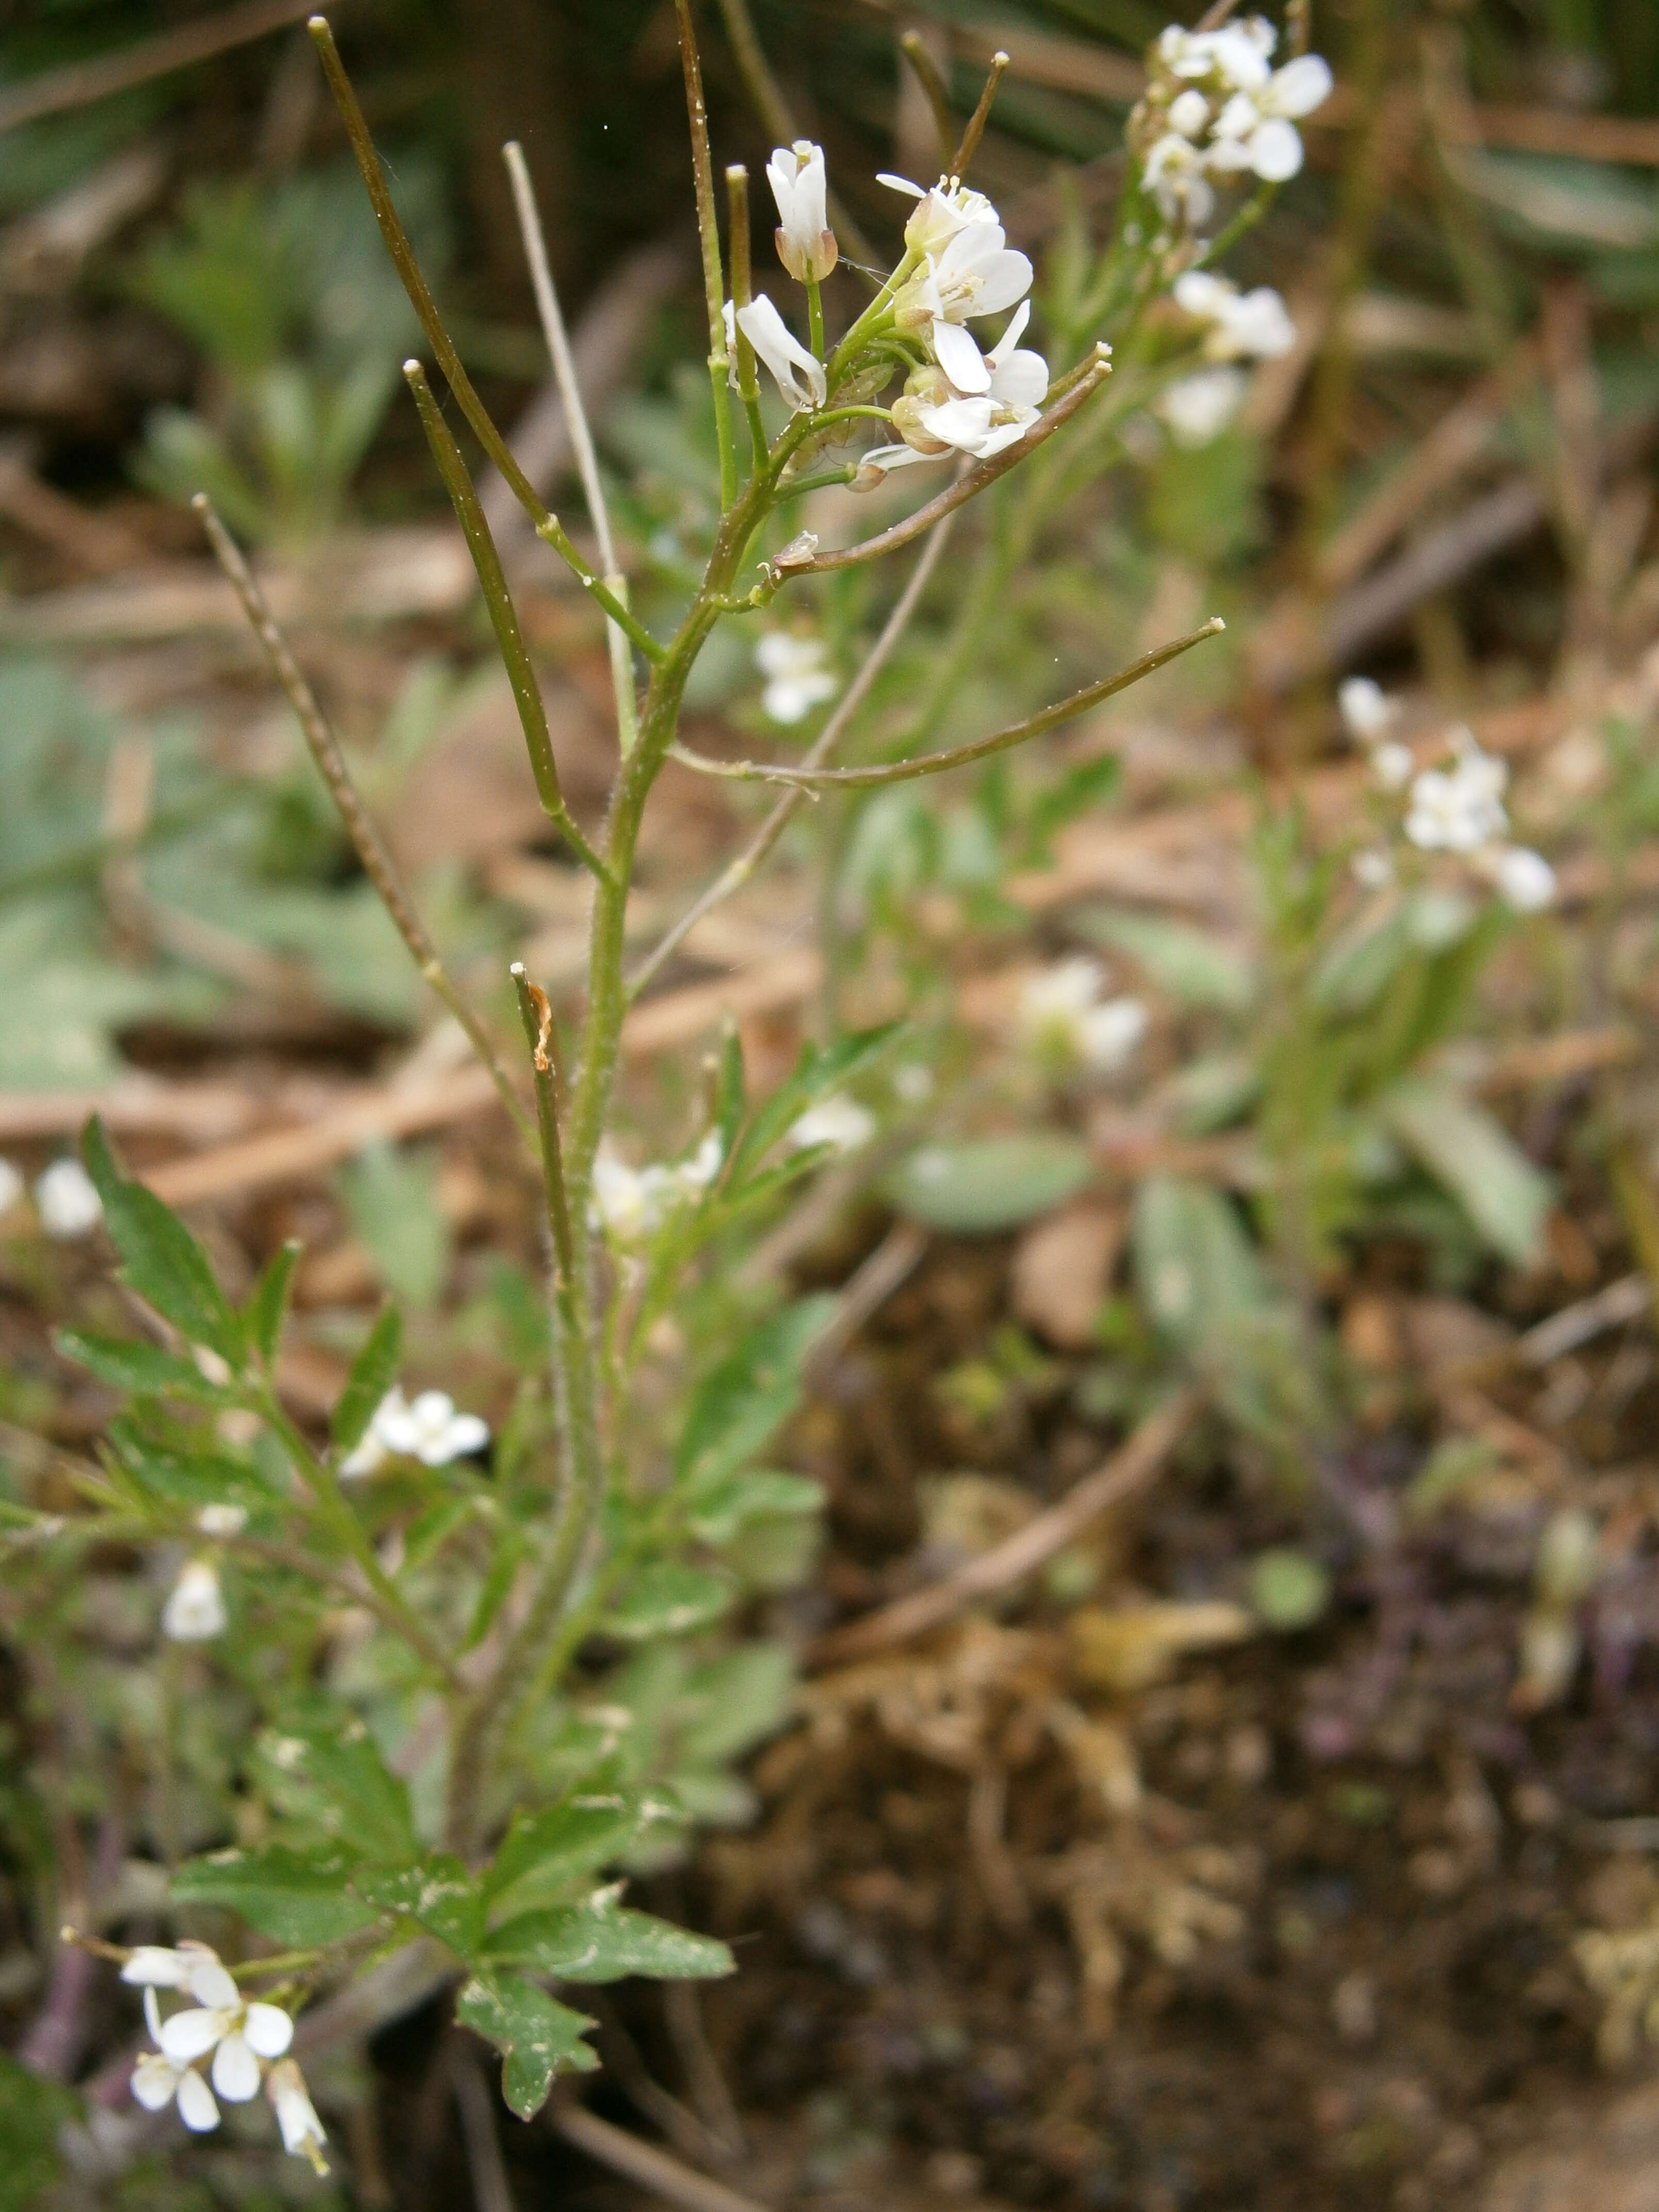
(1240,326)
(248,2042)
(630,1204)
(796,679)
(1458,809)
(65,1204)
(428,1428)
(1217,108)
(806,247)
(1063,1018)
(964,400)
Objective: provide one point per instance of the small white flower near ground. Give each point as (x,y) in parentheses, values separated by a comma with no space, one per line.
(1524,879)
(1062,1013)
(628,1203)
(65,1200)
(430,1430)
(1459,810)
(371,1452)
(240,2034)
(221,1520)
(796,679)
(1373,870)
(195,1610)
(1254,325)
(841,1123)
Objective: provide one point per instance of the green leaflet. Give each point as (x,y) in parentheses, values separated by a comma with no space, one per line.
(373,1371)
(602,1940)
(721,1510)
(549,1850)
(143,1369)
(741,1404)
(437,1892)
(300,1899)
(267,1305)
(161,1259)
(537,2037)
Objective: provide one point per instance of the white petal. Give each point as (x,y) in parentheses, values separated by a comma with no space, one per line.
(154,1966)
(1021,381)
(467,1432)
(962,424)
(1011,338)
(235,2070)
(211,1985)
(153,2081)
(269,2029)
(1005,279)
(960,358)
(1301,86)
(1276,151)
(901,185)
(196,2107)
(190,2035)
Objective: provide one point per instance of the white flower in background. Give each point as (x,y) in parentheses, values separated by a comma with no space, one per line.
(806,245)
(221,1520)
(66,1202)
(1174,175)
(1062,1012)
(1393,764)
(296,2116)
(195,1610)
(431,1431)
(696,1175)
(796,678)
(1197,408)
(1373,870)
(11,1186)
(1524,879)
(841,1123)
(1189,113)
(1366,710)
(1256,130)
(779,350)
(1243,325)
(1460,809)
(371,1451)
(948,207)
(628,1203)
(913,1083)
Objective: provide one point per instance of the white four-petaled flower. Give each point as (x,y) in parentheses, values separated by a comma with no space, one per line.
(239,2034)
(1460,808)
(429,1430)
(806,245)
(841,1123)
(1253,325)
(1197,407)
(1220,109)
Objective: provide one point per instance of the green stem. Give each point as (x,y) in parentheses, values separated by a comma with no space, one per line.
(815,317)
(503,616)
(708,234)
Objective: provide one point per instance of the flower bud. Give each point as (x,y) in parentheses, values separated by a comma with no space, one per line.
(908,412)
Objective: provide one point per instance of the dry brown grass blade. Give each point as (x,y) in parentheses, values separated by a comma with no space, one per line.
(1130,1469)
(54,92)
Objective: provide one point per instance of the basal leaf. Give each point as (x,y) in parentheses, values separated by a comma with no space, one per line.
(373,1371)
(601,1941)
(323,1766)
(161,1259)
(547,1851)
(1506,1197)
(991,1183)
(538,2038)
(296,1898)
(667,1598)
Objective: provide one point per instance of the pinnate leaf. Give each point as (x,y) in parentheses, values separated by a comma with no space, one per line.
(436,1891)
(143,1369)
(600,1939)
(295,1897)
(551,1849)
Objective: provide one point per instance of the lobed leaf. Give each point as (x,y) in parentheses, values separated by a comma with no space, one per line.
(436,1891)
(300,1899)
(547,1850)
(160,1259)
(323,1765)
(601,1941)
(372,1373)
(538,2038)
(143,1369)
